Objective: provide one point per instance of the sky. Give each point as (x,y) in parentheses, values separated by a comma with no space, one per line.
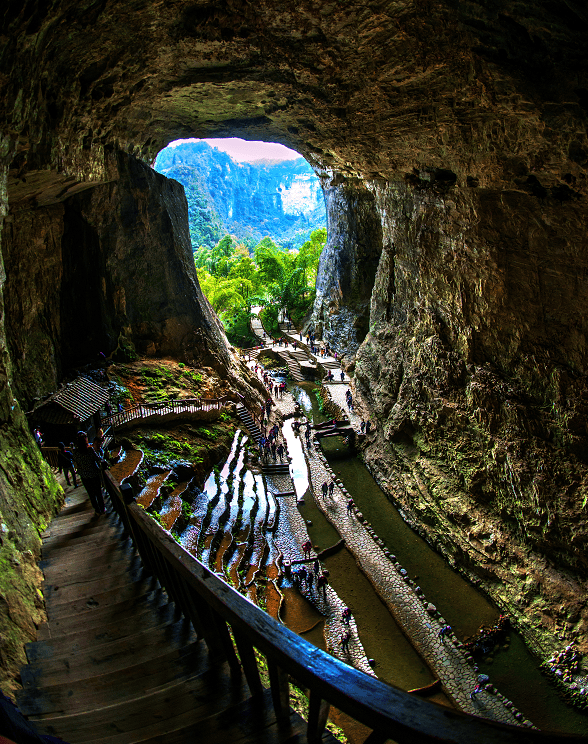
(247,152)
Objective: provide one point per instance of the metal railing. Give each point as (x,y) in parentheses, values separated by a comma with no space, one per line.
(145,410)
(234,628)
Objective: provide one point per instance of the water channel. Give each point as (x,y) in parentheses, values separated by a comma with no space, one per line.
(514,670)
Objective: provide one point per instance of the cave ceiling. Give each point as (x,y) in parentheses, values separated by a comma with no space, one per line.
(495,92)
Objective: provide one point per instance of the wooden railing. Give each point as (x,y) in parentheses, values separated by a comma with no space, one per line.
(183,405)
(234,628)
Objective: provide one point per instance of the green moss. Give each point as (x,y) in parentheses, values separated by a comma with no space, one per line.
(29,496)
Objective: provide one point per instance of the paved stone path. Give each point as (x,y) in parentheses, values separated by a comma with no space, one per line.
(410,609)
(328,361)
(448,663)
(291,534)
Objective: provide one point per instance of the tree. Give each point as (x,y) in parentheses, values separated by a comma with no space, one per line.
(310,252)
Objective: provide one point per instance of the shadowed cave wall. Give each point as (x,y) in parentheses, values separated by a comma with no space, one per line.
(451,142)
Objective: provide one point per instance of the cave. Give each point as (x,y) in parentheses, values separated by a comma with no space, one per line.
(450,140)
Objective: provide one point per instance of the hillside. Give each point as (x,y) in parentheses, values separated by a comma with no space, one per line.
(282,199)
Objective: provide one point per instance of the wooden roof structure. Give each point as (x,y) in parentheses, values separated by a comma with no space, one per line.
(73,404)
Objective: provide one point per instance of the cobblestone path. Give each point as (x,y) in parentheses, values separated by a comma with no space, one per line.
(456,673)
(448,663)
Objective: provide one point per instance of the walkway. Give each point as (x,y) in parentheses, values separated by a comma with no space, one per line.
(150,412)
(292,356)
(412,612)
(115,664)
(445,659)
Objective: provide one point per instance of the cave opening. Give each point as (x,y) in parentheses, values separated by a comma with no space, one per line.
(258,225)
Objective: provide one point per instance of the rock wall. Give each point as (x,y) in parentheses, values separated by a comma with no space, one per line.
(348,263)
(108,270)
(28,498)
(475,371)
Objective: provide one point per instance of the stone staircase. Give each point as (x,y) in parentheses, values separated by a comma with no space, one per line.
(277,469)
(293,366)
(248,422)
(116,664)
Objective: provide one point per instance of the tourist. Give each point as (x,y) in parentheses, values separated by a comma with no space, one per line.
(342,375)
(368,426)
(344,642)
(280,451)
(346,616)
(302,574)
(350,505)
(38,436)
(307,548)
(477,689)
(274,448)
(98,443)
(445,630)
(108,408)
(316,566)
(331,488)
(362,427)
(325,488)
(321,583)
(89,466)
(65,462)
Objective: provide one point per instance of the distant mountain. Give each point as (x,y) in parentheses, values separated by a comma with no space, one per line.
(282,199)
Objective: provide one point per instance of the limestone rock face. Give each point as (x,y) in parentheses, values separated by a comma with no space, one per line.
(348,264)
(474,368)
(109,270)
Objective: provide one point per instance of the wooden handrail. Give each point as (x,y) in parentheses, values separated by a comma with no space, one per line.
(214,607)
(143,410)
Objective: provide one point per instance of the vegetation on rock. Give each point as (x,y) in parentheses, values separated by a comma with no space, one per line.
(250,200)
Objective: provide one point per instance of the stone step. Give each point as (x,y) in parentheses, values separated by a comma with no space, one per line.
(248,422)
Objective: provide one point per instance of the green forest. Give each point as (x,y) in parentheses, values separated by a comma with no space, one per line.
(278,280)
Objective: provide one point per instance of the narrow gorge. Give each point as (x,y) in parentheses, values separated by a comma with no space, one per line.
(450,141)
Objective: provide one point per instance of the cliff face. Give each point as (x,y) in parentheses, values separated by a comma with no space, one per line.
(250,200)
(474,368)
(108,270)
(348,264)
